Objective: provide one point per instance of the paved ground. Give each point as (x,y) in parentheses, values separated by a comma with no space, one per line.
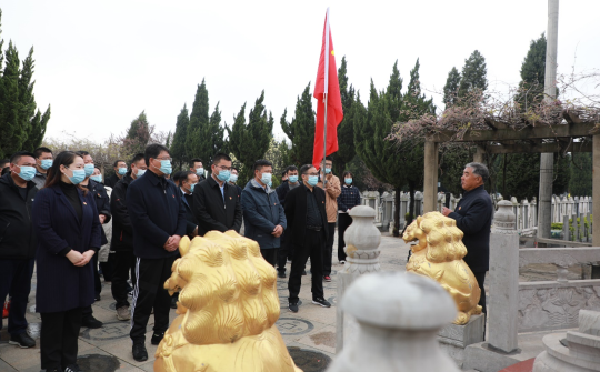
(309,334)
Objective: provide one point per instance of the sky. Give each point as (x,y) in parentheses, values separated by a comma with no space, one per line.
(99,64)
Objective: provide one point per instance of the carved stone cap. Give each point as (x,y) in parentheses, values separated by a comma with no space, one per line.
(399,300)
(362,211)
(504,218)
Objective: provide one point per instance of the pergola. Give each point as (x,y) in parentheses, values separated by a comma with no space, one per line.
(576,135)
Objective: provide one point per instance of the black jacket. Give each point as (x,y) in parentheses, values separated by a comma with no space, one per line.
(102,203)
(156,212)
(112,180)
(214,213)
(122,234)
(191,221)
(473,216)
(18,239)
(295,209)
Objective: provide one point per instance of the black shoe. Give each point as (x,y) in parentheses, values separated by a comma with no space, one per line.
(293,307)
(91,322)
(322,302)
(174,303)
(22,339)
(140,354)
(156,338)
(97,297)
(52,370)
(73,368)
(281,275)
(303,272)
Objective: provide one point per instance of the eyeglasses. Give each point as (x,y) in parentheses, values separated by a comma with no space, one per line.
(313,174)
(169,159)
(223,167)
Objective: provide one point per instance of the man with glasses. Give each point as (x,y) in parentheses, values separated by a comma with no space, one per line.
(216,204)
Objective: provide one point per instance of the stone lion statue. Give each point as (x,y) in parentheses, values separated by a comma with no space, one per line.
(228,306)
(439,255)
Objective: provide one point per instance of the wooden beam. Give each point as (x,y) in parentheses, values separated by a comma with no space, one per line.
(576,130)
(539,148)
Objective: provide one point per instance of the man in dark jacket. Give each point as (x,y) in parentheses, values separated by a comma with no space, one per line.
(473,215)
(196,167)
(216,203)
(285,251)
(18,243)
(43,159)
(122,237)
(188,181)
(120,168)
(157,217)
(307,220)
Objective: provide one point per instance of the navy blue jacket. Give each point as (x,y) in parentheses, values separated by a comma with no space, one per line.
(473,216)
(61,286)
(156,212)
(262,212)
(122,233)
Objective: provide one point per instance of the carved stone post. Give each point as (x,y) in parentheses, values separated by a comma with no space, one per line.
(362,240)
(399,316)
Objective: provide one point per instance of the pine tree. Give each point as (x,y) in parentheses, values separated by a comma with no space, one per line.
(533,68)
(451,87)
(346,151)
(301,129)
(249,141)
(138,135)
(179,138)
(474,75)
(204,134)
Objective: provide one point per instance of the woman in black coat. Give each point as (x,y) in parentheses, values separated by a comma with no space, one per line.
(66,219)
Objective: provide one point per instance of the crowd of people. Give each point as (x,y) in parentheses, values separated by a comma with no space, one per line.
(57,213)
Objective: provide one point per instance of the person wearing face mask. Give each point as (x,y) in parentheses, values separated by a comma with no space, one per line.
(305,210)
(120,168)
(332,191)
(43,159)
(233,178)
(66,219)
(188,181)
(122,237)
(196,167)
(96,175)
(105,260)
(348,199)
(291,182)
(216,203)
(18,242)
(264,220)
(158,222)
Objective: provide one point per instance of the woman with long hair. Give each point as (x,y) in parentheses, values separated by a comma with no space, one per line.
(348,199)
(68,228)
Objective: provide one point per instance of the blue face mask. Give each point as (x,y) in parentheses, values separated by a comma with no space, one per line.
(327,170)
(270,184)
(122,171)
(313,180)
(265,178)
(88,169)
(77,177)
(97,178)
(233,178)
(165,166)
(192,186)
(46,164)
(140,172)
(224,175)
(293,179)
(27,173)
(200,171)
(348,180)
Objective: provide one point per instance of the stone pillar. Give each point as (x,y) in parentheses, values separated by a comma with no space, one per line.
(595,189)
(503,317)
(362,239)
(565,229)
(399,316)
(478,155)
(430,176)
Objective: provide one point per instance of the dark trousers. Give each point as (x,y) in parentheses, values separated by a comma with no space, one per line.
(480,276)
(15,280)
(312,246)
(283,252)
(344,220)
(149,293)
(328,251)
(124,263)
(270,255)
(108,268)
(58,338)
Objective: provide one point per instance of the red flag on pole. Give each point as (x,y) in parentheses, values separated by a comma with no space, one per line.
(327,93)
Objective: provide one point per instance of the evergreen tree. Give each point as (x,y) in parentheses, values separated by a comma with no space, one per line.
(249,141)
(301,129)
(533,69)
(474,74)
(138,134)
(581,174)
(346,151)
(451,87)
(179,138)
(204,134)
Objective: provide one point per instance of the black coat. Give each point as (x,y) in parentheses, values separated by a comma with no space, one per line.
(112,180)
(192,222)
(295,211)
(61,286)
(473,216)
(102,203)
(156,212)
(18,239)
(214,213)
(122,233)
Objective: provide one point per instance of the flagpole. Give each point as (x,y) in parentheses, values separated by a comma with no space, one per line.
(325,94)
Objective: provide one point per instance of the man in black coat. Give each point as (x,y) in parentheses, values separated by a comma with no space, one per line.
(216,203)
(285,251)
(473,216)
(18,243)
(122,237)
(187,182)
(307,227)
(120,168)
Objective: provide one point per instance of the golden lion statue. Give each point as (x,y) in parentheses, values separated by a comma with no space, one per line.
(228,306)
(439,255)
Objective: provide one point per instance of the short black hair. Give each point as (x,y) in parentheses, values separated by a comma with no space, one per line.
(195,160)
(291,168)
(329,158)
(17,156)
(259,164)
(345,173)
(4,171)
(4,161)
(82,152)
(137,157)
(304,169)
(176,176)
(185,175)
(153,150)
(38,152)
(220,156)
(285,171)
(116,163)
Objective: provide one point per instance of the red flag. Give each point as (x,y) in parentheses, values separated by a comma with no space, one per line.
(327,82)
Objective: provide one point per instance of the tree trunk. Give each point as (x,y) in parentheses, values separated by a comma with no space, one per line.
(396,230)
